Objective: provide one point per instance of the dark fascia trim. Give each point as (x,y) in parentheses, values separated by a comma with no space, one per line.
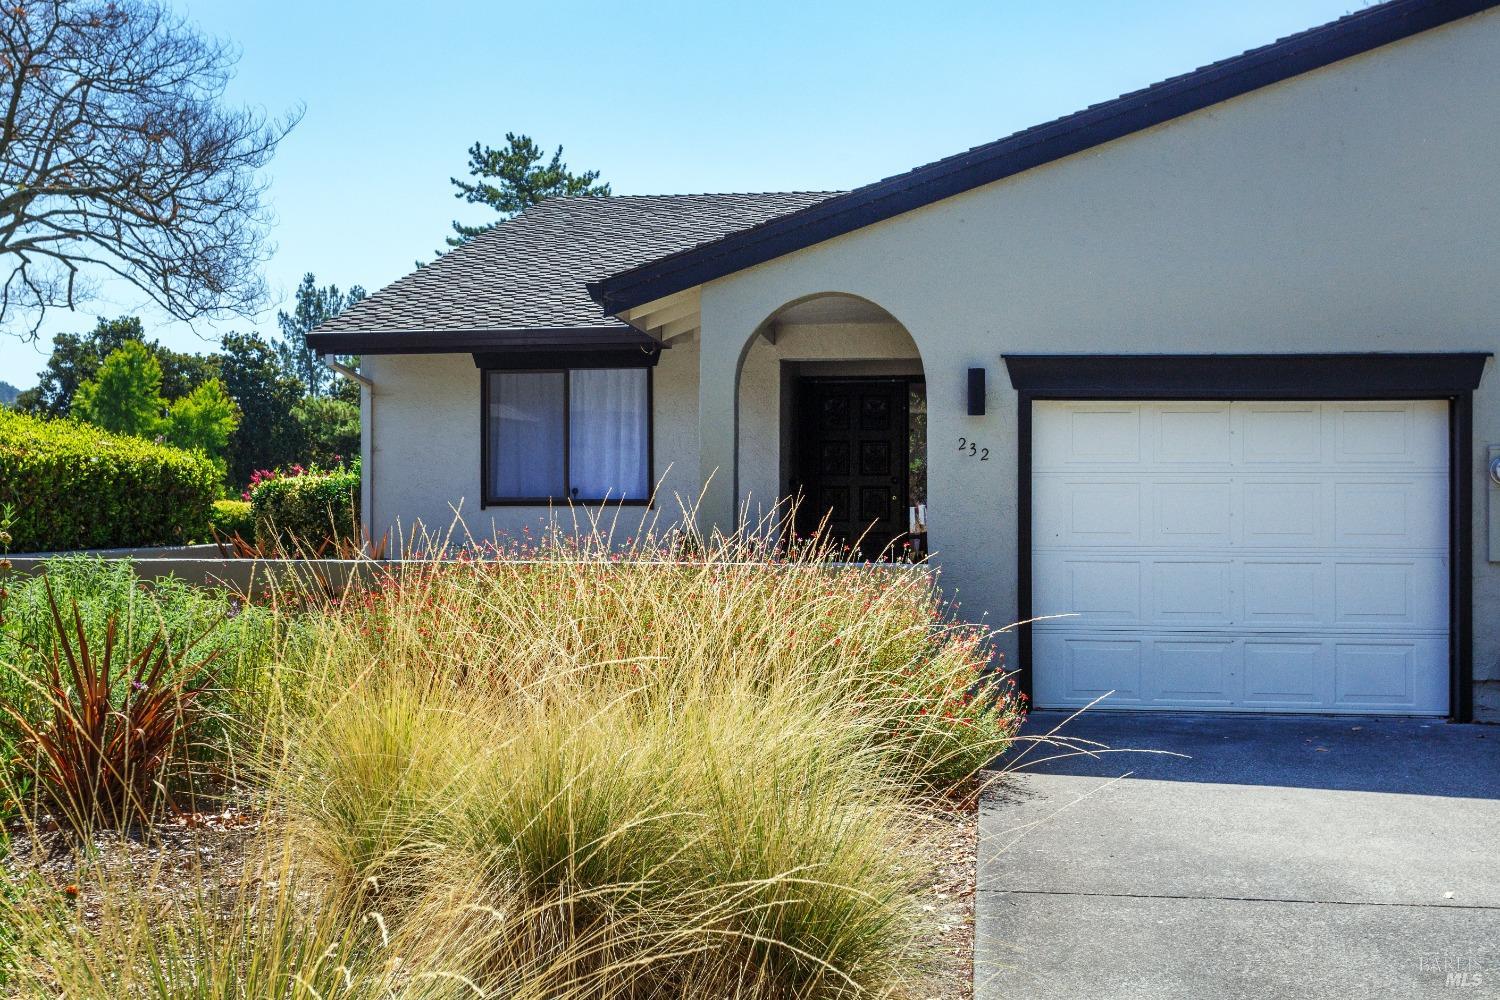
(1221,81)
(468,341)
(1217,376)
(614,357)
(1461,557)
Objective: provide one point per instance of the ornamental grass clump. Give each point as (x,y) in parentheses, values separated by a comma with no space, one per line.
(723,840)
(879,638)
(681,769)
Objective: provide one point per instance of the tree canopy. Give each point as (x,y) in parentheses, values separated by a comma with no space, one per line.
(515,177)
(76,358)
(119,157)
(204,419)
(254,403)
(125,395)
(269,435)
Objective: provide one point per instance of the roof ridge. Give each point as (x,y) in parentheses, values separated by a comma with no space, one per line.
(690,194)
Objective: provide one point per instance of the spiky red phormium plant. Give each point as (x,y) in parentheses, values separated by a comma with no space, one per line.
(99,757)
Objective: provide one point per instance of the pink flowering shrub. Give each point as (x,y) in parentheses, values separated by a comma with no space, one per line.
(269,475)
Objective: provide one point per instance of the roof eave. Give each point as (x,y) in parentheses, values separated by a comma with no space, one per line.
(469,341)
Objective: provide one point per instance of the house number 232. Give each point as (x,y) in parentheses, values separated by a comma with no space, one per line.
(969,448)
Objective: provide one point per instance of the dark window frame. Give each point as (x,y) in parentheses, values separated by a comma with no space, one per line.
(488,500)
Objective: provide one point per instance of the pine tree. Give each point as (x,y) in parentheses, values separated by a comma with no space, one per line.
(312,307)
(520,180)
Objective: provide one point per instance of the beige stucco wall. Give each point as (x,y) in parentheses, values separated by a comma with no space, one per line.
(422,450)
(1356,208)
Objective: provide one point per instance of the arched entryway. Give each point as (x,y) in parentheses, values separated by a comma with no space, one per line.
(832,411)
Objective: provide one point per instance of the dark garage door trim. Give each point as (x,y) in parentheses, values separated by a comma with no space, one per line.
(1450,376)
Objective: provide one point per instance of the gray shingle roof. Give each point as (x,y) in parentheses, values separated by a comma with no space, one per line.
(529,272)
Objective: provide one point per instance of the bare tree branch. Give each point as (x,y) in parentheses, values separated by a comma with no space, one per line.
(117,156)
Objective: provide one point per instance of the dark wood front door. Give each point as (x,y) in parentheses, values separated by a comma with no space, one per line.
(851,460)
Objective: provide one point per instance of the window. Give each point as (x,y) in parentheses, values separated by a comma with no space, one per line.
(582,435)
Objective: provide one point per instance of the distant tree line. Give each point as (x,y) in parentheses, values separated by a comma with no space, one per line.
(254,403)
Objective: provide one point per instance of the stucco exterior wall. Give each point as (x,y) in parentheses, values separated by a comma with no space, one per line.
(1352,209)
(422,450)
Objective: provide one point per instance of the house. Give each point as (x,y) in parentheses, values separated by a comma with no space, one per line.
(1207,366)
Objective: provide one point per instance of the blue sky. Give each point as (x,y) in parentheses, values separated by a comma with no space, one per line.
(662,97)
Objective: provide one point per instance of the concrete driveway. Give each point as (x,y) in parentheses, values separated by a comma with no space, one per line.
(1282,858)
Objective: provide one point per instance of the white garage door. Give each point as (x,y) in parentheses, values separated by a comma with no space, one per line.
(1247,556)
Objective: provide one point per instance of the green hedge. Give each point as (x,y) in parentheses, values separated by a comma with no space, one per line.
(232,517)
(307,509)
(78,487)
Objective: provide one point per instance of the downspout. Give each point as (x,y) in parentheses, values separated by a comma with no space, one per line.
(367,440)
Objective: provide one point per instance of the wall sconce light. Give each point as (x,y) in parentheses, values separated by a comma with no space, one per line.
(976,392)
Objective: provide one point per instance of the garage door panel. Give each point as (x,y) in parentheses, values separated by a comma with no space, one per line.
(1090,667)
(1279,434)
(1191,434)
(1192,513)
(1075,511)
(1192,592)
(1100,590)
(1285,592)
(1276,514)
(1389,674)
(1411,594)
(1394,514)
(1394,434)
(1156,590)
(1088,435)
(1380,673)
(1267,674)
(1286,674)
(1253,556)
(1194,673)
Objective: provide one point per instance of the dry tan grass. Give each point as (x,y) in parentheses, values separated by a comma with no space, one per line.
(686,769)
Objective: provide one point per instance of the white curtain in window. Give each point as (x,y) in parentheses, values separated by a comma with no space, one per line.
(526,435)
(609,434)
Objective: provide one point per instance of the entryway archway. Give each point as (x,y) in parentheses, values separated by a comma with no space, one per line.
(832,404)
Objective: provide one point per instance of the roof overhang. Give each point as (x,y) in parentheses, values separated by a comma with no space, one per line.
(1162,102)
(1247,376)
(613,337)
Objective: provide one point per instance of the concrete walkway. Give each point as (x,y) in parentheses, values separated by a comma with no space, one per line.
(1282,858)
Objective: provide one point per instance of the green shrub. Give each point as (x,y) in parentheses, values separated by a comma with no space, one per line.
(78,487)
(232,517)
(306,510)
